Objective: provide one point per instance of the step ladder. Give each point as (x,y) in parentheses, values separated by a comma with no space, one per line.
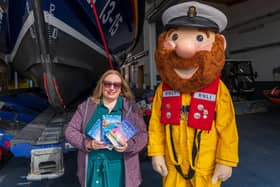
(45,135)
(46,163)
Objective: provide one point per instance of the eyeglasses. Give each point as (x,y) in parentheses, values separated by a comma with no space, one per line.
(116,85)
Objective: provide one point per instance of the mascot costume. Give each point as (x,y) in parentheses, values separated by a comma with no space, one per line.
(193,138)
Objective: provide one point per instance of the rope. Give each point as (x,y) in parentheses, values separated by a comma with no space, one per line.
(101,34)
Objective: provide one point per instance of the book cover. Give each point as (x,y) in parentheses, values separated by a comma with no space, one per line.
(121,133)
(95,131)
(108,123)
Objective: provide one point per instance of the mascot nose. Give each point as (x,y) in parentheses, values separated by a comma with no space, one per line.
(185,50)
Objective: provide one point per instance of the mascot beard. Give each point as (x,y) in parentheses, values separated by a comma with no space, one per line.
(209,64)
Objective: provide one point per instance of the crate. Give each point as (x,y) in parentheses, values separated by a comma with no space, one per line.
(46,163)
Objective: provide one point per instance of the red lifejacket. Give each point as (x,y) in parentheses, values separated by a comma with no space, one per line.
(202,106)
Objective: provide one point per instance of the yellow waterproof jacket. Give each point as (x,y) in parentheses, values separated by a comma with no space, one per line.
(219,145)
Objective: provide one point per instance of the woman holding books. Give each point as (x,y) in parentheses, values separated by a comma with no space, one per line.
(101,161)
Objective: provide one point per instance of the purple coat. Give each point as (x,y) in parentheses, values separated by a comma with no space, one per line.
(75,135)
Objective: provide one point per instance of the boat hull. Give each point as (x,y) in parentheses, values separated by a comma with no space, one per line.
(59,45)
(73,72)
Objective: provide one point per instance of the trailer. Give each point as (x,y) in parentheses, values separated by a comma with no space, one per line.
(42,140)
(15,172)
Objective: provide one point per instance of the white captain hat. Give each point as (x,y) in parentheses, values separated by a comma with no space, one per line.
(194,14)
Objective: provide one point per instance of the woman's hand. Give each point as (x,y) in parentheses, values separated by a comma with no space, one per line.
(98,144)
(121,148)
(95,144)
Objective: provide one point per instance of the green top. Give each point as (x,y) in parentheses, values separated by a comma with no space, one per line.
(101,110)
(105,167)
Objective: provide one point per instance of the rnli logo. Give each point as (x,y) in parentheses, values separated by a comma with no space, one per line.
(205,96)
(170,93)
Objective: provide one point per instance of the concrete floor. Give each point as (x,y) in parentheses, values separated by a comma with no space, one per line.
(259,152)
(259,158)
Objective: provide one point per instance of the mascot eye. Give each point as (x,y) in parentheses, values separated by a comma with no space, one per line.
(174,37)
(199,38)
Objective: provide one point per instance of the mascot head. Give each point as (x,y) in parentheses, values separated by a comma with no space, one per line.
(190,53)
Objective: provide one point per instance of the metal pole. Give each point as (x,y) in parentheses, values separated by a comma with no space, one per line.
(152,47)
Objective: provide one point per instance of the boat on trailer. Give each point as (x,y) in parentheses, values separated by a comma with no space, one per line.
(65,45)
(273,95)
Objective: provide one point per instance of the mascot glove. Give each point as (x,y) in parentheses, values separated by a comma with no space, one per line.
(159,165)
(221,172)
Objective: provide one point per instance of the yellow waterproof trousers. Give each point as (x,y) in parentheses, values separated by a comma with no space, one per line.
(174,179)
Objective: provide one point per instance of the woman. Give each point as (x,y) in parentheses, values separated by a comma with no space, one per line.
(97,164)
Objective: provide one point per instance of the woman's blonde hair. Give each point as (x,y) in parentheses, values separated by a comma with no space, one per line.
(125,89)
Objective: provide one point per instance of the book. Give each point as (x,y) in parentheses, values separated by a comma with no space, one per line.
(95,131)
(121,133)
(108,123)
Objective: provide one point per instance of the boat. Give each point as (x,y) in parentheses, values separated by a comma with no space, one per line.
(17,109)
(65,45)
(21,105)
(273,95)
